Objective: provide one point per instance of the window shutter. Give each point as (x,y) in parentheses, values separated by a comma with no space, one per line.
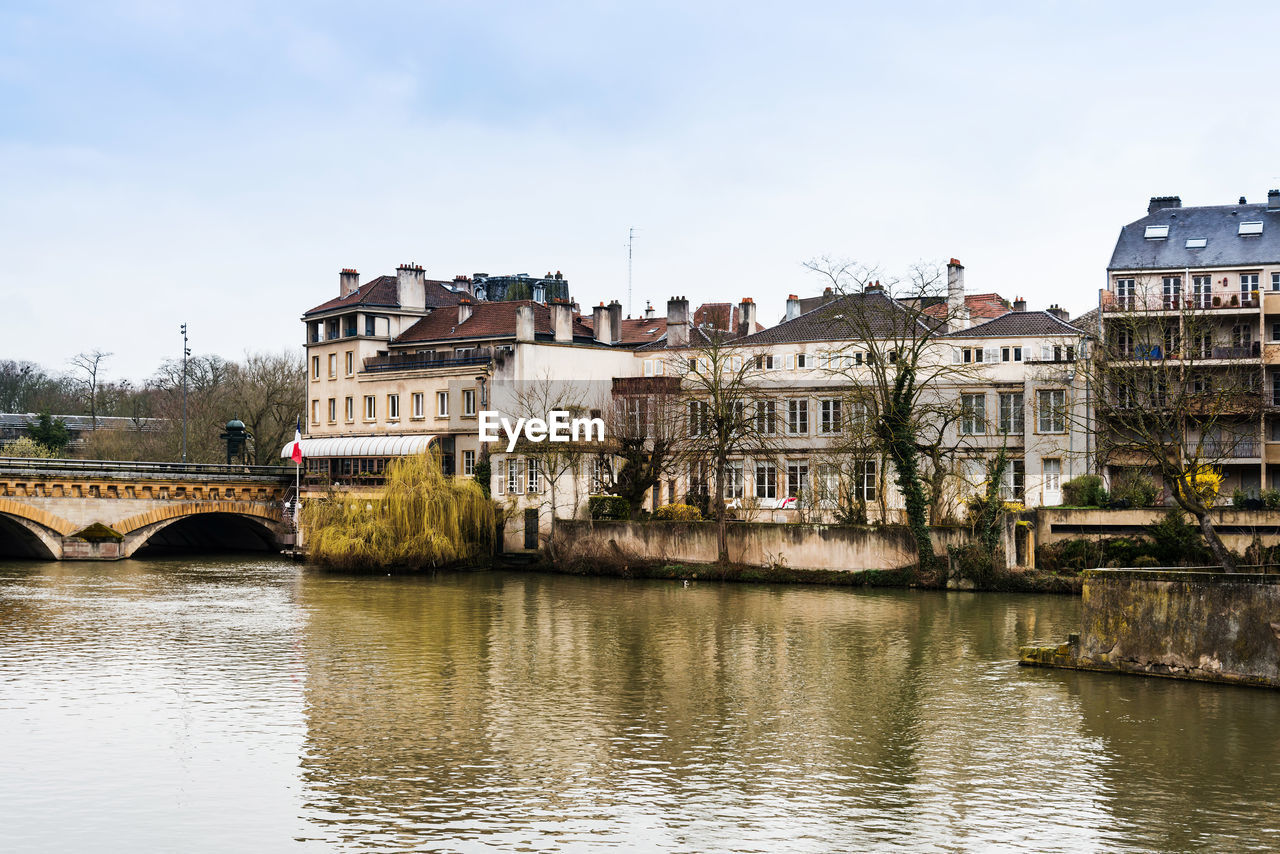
(991,354)
(502,477)
(955,356)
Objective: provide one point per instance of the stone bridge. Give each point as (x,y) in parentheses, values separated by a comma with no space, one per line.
(94,510)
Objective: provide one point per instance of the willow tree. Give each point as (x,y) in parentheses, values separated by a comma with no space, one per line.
(1180,391)
(419,519)
(886,348)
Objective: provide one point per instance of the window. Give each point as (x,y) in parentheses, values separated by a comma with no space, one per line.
(797,417)
(1197,242)
(803,361)
(1275,331)
(333,409)
(1248,283)
(798,479)
(442,404)
(1172,291)
(698,478)
(830,422)
(973,414)
(315,367)
(415,400)
(333,365)
(315,412)
(1250,229)
(351,363)
(653,367)
(469,401)
(469,463)
(1242,335)
(1275,281)
(1052,475)
(393,407)
(515,479)
(370,325)
(1202,345)
(864,480)
(1011,354)
(734,486)
(1052,411)
(1156,232)
(766,480)
(1012,421)
(1125,293)
(349,409)
(766,417)
(370,407)
(970,354)
(534,479)
(1202,291)
(699,417)
(1013,481)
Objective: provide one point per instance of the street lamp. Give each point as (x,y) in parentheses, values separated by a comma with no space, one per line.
(186,351)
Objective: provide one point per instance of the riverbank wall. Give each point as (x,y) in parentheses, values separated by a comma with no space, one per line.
(1202,626)
(1237,528)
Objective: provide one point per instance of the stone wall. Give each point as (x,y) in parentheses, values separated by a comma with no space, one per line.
(827,547)
(1204,626)
(1236,527)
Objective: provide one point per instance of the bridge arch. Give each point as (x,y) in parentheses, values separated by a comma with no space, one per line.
(204,526)
(27,531)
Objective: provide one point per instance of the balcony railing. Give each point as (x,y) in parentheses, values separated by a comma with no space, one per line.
(1231,449)
(1199,302)
(1243,351)
(423,361)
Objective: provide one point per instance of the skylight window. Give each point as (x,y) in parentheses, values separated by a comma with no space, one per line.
(1197,242)
(1157,232)
(1253,228)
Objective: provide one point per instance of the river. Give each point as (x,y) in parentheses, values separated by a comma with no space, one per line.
(250,704)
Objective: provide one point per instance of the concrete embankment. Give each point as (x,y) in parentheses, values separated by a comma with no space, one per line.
(1204,626)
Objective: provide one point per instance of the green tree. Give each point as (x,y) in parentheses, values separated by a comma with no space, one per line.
(49,432)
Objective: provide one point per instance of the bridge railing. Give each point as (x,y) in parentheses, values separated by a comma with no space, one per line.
(87,467)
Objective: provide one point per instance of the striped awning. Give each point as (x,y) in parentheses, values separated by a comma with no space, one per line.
(361,446)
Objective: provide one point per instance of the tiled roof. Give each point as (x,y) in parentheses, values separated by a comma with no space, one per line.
(1217,225)
(384,292)
(981,306)
(487,320)
(1087,321)
(1015,324)
(635,330)
(829,321)
(697,338)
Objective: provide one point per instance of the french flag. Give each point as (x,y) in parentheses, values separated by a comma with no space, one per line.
(296,453)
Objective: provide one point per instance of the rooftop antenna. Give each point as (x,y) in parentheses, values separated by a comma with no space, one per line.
(631,236)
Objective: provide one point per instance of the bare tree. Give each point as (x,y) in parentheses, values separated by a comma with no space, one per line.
(267,392)
(645,425)
(88,367)
(1179,391)
(891,357)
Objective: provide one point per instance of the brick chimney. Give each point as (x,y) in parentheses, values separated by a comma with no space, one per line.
(562,321)
(1159,203)
(677,322)
(1060,313)
(464,309)
(462,285)
(1273,200)
(524,322)
(746,317)
(957,311)
(793,307)
(348,282)
(615,322)
(600,324)
(1019,304)
(411,286)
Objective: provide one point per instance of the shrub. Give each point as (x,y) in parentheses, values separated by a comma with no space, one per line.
(1238,498)
(1175,542)
(1207,482)
(974,562)
(608,507)
(677,513)
(1085,491)
(1137,489)
(1145,560)
(27,448)
(1271,499)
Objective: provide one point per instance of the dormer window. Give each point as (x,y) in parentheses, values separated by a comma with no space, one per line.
(1156,232)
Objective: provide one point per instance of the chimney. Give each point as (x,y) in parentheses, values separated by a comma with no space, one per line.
(1273,200)
(562,321)
(348,282)
(615,322)
(1243,200)
(600,324)
(746,317)
(464,309)
(524,322)
(1019,304)
(1060,313)
(827,294)
(874,287)
(957,311)
(462,285)
(677,322)
(648,310)
(1159,203)
(793,307)
(411,286)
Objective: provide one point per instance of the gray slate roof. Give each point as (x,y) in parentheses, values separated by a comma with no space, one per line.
(829,321)
(1218,224)
(1020,323)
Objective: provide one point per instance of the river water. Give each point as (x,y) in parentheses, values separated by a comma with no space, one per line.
(229,704)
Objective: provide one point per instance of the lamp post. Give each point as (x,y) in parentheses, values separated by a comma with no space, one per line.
(185,353)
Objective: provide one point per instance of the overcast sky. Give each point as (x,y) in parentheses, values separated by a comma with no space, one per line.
(218,163)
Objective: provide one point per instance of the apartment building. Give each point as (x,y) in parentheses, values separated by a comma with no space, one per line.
(1207,279)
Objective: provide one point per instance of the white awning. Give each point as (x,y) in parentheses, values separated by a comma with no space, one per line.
(361,446)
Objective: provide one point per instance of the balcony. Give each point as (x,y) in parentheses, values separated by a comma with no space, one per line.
(1243,351)
(1237,449)
(424,361)
(1195,302)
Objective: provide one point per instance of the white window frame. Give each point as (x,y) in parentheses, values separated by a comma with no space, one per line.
(973,418)
(370,407)
(798,416)
(469,463)
(769,470)
(393,407)
(349,409)
(416,401)
(468,402)
(1051,411)
(315,411)
(442,404)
